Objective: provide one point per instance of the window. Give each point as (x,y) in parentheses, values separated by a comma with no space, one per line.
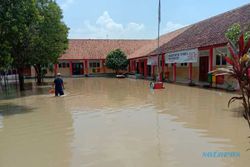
(220,54)
(183,64)
(63,65)
(220,60)
(94,64)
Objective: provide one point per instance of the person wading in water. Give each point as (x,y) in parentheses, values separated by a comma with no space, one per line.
(59,86)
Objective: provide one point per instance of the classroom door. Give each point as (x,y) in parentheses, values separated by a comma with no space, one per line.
(77,68)
(203,75)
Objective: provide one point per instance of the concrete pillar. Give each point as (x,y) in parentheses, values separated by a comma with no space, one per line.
(162,67)
(167,71)
(130,65)
(103,66)
(190,71)
(70,68)
(134,66)
(83,67)
(153,70)
(174,72)
(140,67)
(86,66)
(211,59)
(145,68)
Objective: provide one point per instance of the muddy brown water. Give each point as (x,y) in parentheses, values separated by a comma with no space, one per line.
(105,122)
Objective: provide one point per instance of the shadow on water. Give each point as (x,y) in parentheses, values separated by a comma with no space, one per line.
(31,88)
(12,109)
(238,111)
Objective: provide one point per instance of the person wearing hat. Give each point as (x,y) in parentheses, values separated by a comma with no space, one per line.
(59,86)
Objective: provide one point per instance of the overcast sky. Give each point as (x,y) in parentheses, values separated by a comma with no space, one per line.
(136,19)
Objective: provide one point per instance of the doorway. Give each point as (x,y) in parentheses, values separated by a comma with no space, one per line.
(137,67)
(77,68)
(149,70)
(203,75)
(142,67)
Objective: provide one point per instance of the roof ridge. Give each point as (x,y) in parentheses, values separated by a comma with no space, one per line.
(110,39)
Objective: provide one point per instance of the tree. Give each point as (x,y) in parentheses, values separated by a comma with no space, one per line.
(233,33)
(17,20)
(50,39)
(5,58)
(31,33)
(117,60)
(239,60)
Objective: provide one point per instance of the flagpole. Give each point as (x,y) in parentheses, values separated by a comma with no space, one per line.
(158,40)
(158,84)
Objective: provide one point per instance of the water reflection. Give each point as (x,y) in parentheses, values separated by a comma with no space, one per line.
(11,91)
(12,109)
(39,138)
(105,122)
(1,121)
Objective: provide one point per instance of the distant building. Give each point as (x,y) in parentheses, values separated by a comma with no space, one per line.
(186,54)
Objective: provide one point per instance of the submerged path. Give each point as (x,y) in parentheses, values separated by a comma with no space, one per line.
(105,122)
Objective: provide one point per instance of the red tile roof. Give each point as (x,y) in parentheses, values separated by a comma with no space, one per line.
(98,48)
(210,31)
(147,49)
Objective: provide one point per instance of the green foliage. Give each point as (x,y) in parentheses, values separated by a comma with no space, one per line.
(247,35)
(31,33)
(117,60)
(51,67)
(17,26)
(16,20)
(5,58)
(50,40)
(233,33)
(239,69)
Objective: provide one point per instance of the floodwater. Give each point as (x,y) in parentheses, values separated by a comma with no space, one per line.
(105,122)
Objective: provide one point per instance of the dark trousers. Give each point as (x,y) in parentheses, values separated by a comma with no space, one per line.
(59,91)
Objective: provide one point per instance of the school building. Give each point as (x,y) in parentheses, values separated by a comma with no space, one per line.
(187,54)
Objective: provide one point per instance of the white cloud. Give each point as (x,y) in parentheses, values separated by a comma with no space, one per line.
(108,23)
(65,4)
(106,27)
(171,26)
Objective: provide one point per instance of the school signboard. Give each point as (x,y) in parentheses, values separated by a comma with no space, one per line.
(186,56)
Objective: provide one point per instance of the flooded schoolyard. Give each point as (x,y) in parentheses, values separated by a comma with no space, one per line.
(105,122)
